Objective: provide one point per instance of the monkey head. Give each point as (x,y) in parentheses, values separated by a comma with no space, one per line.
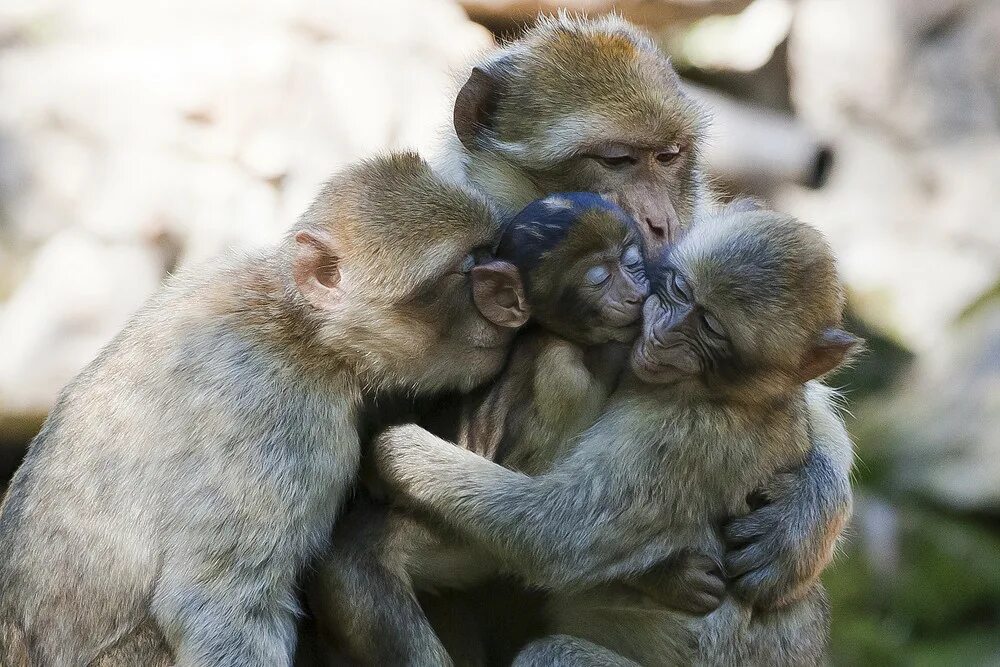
(747,306)
(580,258)
(396,272)
(593,105)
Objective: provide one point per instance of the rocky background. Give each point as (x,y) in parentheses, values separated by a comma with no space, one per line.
(136,137)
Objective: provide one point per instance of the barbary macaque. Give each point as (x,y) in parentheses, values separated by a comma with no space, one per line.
(745,311)
(593,104)
(187,476)
(580,260)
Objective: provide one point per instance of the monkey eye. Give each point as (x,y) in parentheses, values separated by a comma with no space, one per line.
(681,286)
(668,154)
(632,256)
(597,275)
(615,161)
(713,325)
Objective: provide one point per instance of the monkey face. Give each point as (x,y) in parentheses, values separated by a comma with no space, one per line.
(589,105)
(463,322)
(681,339)
(748,304)
(654,184)
(581,259)
(396,266)
(612,292)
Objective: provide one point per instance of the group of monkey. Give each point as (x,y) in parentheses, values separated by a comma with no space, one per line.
(610,398)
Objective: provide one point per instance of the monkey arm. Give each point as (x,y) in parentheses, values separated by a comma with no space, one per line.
(779,550)
(583,523)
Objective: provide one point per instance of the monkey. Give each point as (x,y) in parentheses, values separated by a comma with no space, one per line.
(189,474)
(744,311)
(581,264)
(593,104)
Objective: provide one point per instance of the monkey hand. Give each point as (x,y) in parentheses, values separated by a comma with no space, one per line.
(692,583)
(775,553)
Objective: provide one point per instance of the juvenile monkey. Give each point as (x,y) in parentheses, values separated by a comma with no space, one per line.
(585,285)
(745,310)
(187,475)
(580,104)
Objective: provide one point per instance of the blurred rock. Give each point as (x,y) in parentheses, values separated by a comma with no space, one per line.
(908,95)
(143,135)
(942,433)
(77,294)
(503,15)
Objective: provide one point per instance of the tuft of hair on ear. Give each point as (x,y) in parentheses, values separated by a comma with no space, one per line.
(831,350)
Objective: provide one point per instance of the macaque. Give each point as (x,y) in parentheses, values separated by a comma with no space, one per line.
(585,284)
(745,311)
(187,476)
(581,104)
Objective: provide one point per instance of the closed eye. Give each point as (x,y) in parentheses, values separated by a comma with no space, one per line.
(614,161)
(597,275)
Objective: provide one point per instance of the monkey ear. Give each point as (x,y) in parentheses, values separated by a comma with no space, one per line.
(476,102)
(832,348)
(499,294)
(316,269)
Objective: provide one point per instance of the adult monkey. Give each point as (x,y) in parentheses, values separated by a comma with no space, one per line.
(581,104)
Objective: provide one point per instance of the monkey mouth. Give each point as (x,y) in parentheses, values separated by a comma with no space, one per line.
(651,370)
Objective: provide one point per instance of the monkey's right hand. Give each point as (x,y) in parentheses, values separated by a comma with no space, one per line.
(692,583)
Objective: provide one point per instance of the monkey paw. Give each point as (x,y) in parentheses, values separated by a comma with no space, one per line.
(777,550)
(692,583)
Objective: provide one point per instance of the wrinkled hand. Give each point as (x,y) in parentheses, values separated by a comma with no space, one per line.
(777,550)
(692,583)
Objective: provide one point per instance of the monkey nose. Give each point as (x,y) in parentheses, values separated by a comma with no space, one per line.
(660,229)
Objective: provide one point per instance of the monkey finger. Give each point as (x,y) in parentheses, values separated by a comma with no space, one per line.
(751,557)
(701,603)
(758,586)
(710,584)
(741,532)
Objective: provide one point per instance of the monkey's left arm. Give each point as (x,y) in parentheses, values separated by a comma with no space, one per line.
(575,526)
(778,550)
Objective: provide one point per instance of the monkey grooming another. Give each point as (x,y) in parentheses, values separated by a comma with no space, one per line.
(581,104)
(187,475)
(745,310)
(585,283)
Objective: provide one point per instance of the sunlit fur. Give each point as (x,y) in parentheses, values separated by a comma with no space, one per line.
(184,479)
(656,475)
(552,388)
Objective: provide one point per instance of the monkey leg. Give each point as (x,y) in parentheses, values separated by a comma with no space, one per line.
(566,651)
(232,618)
(363,598)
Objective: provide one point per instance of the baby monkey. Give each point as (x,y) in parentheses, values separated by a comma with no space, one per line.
(585,283)
(745,310)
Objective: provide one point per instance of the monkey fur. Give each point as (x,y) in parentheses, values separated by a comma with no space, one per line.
(185,478)
(745,311)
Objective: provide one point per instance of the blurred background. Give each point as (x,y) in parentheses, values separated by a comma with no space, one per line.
(136,137)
